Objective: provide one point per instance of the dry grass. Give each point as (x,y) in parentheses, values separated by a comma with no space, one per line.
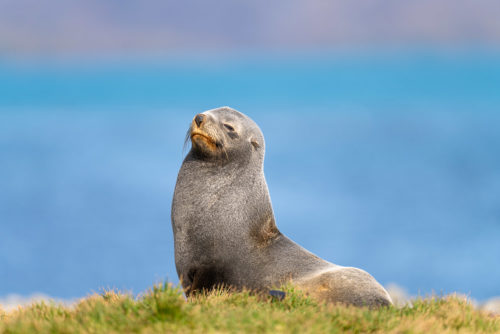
(164,310)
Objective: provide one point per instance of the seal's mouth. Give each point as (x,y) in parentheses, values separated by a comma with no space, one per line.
(197,135)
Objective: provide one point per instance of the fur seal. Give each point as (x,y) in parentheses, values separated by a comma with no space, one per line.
(224,227)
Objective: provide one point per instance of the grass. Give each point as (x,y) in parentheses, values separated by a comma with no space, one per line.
(163,309)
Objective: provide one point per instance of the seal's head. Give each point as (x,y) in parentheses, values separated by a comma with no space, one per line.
(224,134)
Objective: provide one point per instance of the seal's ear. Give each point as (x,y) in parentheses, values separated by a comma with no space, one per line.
(255,143)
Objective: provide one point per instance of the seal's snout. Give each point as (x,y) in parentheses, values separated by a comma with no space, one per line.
(198,119)
(202,134)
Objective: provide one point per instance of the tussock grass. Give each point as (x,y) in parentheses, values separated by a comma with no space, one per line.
(163,309)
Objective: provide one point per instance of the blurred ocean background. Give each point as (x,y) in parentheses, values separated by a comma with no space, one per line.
(381,120)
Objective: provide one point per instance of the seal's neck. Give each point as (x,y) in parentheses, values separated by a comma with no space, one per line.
(230,167)
(232,196)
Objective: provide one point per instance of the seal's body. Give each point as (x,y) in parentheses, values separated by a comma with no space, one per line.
(224,227)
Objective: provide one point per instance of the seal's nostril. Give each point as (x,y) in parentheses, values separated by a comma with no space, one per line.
(199,119)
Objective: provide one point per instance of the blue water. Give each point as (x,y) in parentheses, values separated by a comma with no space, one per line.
(385,161)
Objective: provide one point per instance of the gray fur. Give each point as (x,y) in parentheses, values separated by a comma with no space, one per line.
(224,227)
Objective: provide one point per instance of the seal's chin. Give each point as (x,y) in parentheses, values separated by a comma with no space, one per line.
(203,140)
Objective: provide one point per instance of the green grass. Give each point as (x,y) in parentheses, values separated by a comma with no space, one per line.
(163,309)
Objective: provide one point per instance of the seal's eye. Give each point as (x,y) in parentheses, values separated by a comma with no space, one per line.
(229,127)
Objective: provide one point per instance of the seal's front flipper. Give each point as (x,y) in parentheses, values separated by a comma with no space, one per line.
(277,295)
